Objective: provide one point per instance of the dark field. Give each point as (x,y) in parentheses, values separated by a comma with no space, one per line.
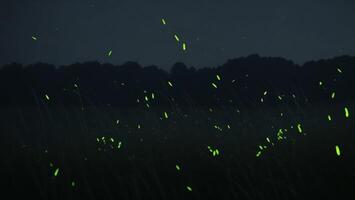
(253,128)
(37,141)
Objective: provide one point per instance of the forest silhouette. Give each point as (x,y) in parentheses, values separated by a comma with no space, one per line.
(244,78)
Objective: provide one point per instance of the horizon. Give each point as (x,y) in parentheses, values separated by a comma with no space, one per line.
(186,64)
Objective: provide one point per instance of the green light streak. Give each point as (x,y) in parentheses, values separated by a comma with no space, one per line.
(346,112)
(337,150)
(163,21)
(214,85)
(56,172)
(299,128)
(189,188)
(176,38)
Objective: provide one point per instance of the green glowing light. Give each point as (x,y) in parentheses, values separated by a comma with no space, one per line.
(346,112)
(214,153)
(184,46)
(299,128)
(119,145)
(56,172)
(337,150)
(208,147)
(163,21)
(214,85)
(176,38)
(280,134)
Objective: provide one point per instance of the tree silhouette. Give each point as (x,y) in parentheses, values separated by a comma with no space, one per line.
(243,81)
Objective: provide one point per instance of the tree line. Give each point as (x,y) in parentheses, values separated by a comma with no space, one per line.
(244,81)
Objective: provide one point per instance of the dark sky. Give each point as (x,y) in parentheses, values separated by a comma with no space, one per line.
(71,31)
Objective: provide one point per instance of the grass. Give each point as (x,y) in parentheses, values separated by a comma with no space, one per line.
(304,165)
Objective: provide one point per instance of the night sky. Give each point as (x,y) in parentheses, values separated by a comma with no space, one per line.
(70,31)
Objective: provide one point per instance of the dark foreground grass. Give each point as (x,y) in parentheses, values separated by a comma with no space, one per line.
(140,162)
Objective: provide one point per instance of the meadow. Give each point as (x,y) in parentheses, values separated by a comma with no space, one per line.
(53,152)
(253,128)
